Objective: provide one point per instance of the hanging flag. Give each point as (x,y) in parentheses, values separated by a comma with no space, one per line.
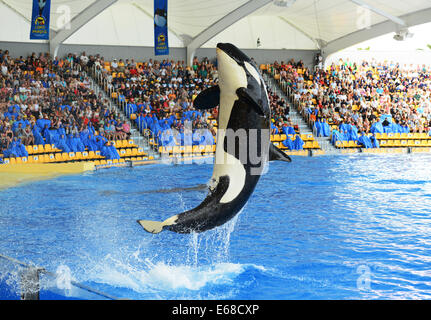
(161,46)
(40,20)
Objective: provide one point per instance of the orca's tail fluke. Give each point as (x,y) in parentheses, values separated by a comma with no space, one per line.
(155,227)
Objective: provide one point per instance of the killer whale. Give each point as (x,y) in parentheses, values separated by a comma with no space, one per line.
(243,107)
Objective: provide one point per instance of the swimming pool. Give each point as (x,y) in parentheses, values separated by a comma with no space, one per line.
(333,227)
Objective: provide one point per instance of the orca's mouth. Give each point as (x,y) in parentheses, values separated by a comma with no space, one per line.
(234,53)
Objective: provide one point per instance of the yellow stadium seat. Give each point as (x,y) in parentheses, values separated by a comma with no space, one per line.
(135,152)
(58,157)
(97,163)
(103,162)
(128,152)
(45,158)
(308,145)
(196,149)
(404,143)
(378,135)
(121,161)
(383,143)
(397,143)
(115,161)
(29,149)
(176,150)
(12,160)
(65,156)
(397,135)
(47,148)
(18,160)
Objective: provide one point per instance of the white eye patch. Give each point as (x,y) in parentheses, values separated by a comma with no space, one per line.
(252,71)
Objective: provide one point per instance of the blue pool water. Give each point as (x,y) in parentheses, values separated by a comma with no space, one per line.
(341,227)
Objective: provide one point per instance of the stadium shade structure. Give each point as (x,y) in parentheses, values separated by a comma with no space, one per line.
(326,25)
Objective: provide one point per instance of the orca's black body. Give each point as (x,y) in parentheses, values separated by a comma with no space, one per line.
(244,109)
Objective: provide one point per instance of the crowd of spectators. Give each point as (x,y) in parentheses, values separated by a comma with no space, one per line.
(350,100)
(49,101)
(160,96)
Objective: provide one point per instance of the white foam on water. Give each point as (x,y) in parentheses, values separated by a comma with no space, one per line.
(205,264)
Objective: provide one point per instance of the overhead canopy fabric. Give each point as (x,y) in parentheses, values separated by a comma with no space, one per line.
(300,24)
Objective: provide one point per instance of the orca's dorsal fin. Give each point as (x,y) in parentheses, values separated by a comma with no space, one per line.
(208,98)
(247,95)
(277,154)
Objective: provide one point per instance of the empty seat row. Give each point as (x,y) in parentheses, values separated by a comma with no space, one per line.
(57,157)
(282,137)
(117,161)
(405,143)
(130,152)
(347,144)
(124,144)
(416,136)
(188,149)
(39,149)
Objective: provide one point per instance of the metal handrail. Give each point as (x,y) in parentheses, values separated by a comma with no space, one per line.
(35,271)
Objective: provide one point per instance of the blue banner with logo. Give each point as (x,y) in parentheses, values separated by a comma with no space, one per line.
(40,20)
(161,46)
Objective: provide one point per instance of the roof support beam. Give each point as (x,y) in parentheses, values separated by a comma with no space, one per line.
(220,25)
(294,26)
(380,29)
(380,12)
(77,22)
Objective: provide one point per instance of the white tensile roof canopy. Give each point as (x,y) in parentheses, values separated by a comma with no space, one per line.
(328,25)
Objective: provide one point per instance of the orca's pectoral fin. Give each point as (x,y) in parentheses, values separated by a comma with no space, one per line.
(208,98)
(276,154)
(247,95)
(153,227)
